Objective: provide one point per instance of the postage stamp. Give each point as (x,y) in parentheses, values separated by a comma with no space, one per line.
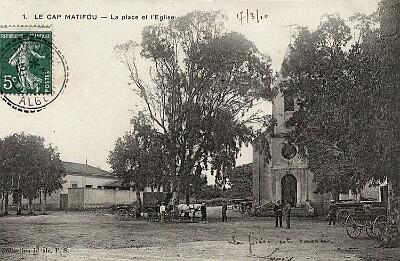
(26,62)
(33,72)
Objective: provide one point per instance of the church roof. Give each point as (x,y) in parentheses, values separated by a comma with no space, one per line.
(85,170)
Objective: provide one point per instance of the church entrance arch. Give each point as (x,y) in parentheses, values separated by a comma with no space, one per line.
(289,189)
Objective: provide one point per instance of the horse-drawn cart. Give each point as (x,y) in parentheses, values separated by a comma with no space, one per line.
(242,205)
(151,202)
(148,207)
(366,215)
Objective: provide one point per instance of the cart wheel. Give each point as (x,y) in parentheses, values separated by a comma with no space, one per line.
(151,215)
(235,208)
(169,217)
(379,226)
(353,229)
(249,210)
(369,228)
(342,216)
(121,214)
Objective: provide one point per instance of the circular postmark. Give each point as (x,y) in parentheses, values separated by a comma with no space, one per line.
(33,72)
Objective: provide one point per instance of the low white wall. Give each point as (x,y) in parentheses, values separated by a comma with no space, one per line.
(94,198)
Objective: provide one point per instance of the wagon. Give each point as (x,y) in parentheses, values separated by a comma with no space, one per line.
(148,207)
(125,212)
(151,202)
(368,217)
(345,208)
(242,205)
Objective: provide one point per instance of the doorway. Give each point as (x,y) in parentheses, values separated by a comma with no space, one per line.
(63,201)
(289,189)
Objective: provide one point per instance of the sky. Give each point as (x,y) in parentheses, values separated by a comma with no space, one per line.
(97,103)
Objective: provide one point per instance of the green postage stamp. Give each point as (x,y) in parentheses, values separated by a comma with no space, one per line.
(26,62)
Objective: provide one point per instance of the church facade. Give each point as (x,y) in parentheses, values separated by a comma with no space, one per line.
(285,177)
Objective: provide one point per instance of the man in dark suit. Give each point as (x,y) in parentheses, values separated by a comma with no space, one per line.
(332,212)
(203,212)
(224,210)
(278,213)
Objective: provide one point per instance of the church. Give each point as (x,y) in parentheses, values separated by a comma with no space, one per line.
(286,176)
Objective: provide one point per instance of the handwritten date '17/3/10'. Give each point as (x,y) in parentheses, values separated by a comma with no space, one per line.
(248,16)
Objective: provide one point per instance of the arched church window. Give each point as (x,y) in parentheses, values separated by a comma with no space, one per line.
(288,103)
(289,151)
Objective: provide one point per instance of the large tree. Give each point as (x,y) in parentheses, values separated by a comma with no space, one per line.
(348,99)
(388,138)
(29,168)
(202,82)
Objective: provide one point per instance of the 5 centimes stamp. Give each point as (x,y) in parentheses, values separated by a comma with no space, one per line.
(33,72)
(26,62)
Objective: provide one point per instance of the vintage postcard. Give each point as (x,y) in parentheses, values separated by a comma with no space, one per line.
(199,130)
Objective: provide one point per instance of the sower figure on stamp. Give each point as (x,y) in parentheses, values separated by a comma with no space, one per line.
(332,212)
(278,213)
(22,60)
(224,210)
(287,210)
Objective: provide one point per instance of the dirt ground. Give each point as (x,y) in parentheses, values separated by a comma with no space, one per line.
(98,236)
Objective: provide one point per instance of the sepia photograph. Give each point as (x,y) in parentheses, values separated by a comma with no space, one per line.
(200,130)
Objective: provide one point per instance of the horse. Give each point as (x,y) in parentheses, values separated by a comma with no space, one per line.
(188,208)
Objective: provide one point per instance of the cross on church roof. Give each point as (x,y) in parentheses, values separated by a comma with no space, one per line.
(290,31)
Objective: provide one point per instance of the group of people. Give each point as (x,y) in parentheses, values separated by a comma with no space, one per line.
(280,211)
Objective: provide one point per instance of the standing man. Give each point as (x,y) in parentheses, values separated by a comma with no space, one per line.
(287,211)
(192,213)
(224,209)
(138,208)
(278,213)
(332,212)
(162,212)
(203,212)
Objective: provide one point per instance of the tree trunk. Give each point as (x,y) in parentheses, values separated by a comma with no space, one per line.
(139,203)
(5,211)
(19,203)
(43,202)
(30,209)
(187,195)
(1,204)
(391,237)
(175,189)
(19,208)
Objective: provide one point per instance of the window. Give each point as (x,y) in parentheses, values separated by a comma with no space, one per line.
(74,184)
(289,151)
(288,103)
(89,186)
